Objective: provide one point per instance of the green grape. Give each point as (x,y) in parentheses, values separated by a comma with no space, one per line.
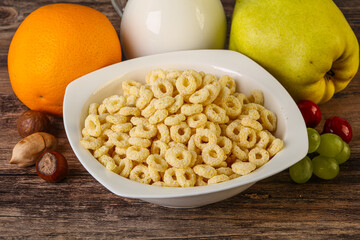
(330,145)
(314,139)
(344,155)
(301,171)
(325,167)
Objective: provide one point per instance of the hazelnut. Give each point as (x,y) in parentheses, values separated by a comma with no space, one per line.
(52,166)
(31,122)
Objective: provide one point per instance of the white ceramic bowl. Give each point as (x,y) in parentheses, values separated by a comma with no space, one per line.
(96,86)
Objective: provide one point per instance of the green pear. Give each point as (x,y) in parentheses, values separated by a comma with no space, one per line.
(307,45)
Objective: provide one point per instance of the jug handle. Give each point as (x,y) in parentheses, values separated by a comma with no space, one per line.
(116,5)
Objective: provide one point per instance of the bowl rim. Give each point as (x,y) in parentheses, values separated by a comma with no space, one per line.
(227,60)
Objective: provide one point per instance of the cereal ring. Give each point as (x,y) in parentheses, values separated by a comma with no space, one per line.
(92,125)
(122,127)
(213,155)
(105,126)
(256,96)
(240,155)
(209,79)
(233,130)
(242,98)
(205,171)
(164,102)
(177,144)
(162,88)
(196,120)
(158,116)
(125,167)
(232,106)
(102,117)
(225,143)
(196,75)
(138,154)
(251,106)
(229,82)
(173,74)
(140,173)
(275,146)
(263,139)
(93,108)
(154,174)
(139,120)
(259,156)
(247,137)
(185,177)
(234,175)
(131,87)
(102,109)
(114,103)
(146,95)
(224,170)
(199,96)
(149,110)
(118,139)
(145,131)
(120,152)
(156,162)
(204,137)
(131,100)
(251,123)
(159,147)
(192,146)
(218,179)
(174,119)
(223,94)
(140,142)
(268,120)
(193,158)
(243,168)
(116,119)
(129,111)
(170,178)
(159,184)
(163,133)
(103,150)
(252,113)
(178,157)
(214,127)
(92,143)
(179,101)
(200,181)
(191,109)
(180,133)
(154,75)
(216,114)
(109,163)
(186,84)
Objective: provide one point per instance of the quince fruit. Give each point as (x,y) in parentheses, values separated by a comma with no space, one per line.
(307,45)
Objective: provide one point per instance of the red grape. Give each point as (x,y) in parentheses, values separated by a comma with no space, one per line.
(340,127)
(310,112)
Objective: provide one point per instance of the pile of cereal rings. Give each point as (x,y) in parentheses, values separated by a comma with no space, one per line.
(181,129)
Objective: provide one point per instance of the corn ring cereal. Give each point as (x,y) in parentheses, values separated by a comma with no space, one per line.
(178,157)
(216,114)
(170,178)
(233,130)
(241,155)
(243,168)
(149,110)
(92,143)
(125,167)
(204,137)
(195,74)
(146,95)
(138,154)
(213,155)
(268,120)
(131,87)
(93,108)
(116,119)
(164,102)
(179,101)
(209,79)
(229,82)
(154,174)
(163,133)
(186,84)
(103,150)
(159,147)
(162,88)
(191,109)
(129,111)
(232,106)
(225,143)
(218,179)
(122,127)
(159,116)
(224,170)
(139,120)
(197,120)
(256,96)
(140,142)
(264,139)
(205,170)
(275,146)
(140,173)
(199,96)
(185,177)
(259,156)
(251,123)
(114,103)
(145,131)
(92,125)
(154,75)
(180,133)
(156,162)
(174,119)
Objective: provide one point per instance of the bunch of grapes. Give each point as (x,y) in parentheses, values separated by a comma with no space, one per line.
(326,150)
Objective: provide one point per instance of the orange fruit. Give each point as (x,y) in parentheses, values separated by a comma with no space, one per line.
(53,46)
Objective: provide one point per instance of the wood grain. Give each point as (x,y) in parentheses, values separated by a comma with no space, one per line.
(80,208)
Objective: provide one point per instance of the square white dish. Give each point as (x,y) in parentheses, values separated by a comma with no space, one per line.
(96,86)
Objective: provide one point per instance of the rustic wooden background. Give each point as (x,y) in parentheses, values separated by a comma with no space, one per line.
(79,207)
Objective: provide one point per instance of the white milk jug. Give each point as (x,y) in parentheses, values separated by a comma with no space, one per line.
(156,26)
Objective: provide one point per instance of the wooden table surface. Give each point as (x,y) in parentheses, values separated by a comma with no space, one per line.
(79,207)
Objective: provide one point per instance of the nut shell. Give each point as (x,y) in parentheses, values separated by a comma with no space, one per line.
(31,122)
(52,166)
